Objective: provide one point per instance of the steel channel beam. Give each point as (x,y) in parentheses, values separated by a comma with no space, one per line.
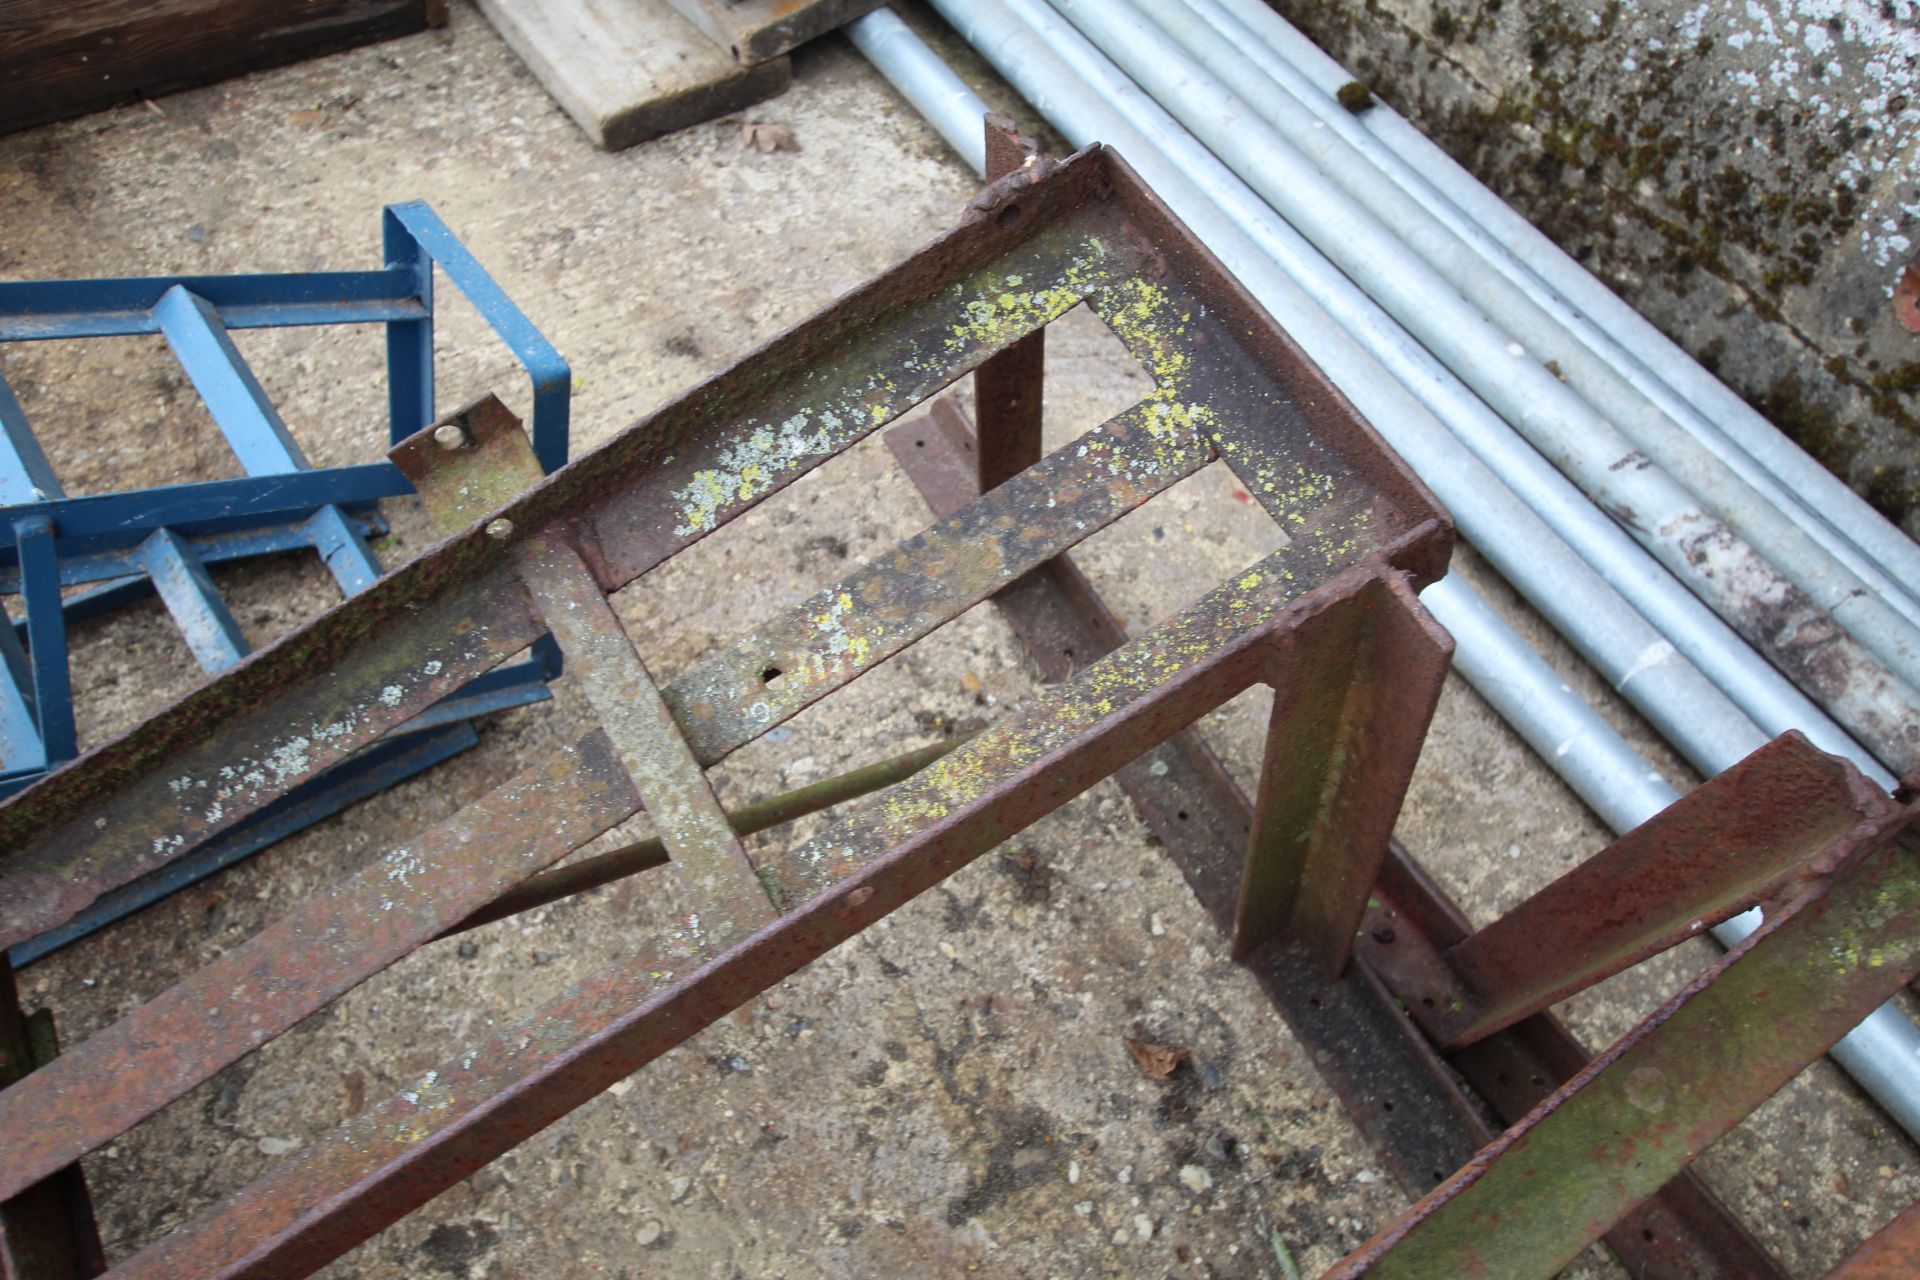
(728,901)
(1350,711)
(1644,1109)
(372,771)
(1683,1230)
(324,946)
(1394,1085)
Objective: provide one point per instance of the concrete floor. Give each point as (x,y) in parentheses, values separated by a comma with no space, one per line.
(951,1092)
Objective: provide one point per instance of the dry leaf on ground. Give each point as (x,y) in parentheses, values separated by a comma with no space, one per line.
(1157,1061)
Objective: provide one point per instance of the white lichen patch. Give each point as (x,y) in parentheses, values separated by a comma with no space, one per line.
(1853,65)
(403,863)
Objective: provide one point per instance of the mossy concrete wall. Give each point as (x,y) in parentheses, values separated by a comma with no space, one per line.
(1743,171)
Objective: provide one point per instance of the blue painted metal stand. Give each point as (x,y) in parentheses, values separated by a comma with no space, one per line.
(120,545)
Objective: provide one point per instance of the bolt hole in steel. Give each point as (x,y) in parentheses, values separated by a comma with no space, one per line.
(1009,217)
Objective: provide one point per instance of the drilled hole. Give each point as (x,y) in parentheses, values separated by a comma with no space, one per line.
(1182,815)
(1647,1236)
(1386,1106)
(1009,216)
(771,674)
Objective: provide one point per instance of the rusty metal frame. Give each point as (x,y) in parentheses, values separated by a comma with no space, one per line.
(527,556)
(1778,829)
(1338,923)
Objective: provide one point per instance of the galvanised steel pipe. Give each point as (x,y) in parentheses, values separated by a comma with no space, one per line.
(1688,626)
(1672,432)
(942,97)
(1883,1055)
(1681,703)
(1542,267)
(1747,579)
(1876,705)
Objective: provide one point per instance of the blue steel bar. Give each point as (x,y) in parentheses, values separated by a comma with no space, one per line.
(33,310)
(342,549)
(234,397)
(116,570)
(47,635)
(204,620)
(253,428)
(409,339)
(102,521)
(25,473)
(20,747)
(552,379)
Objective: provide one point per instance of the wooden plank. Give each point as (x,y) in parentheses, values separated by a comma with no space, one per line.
(752,31)
(61,58)
(629,70)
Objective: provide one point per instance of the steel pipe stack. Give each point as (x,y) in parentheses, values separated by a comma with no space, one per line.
(1438,310)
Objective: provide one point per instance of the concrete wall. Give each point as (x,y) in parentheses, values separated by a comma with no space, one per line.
(1744,173)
